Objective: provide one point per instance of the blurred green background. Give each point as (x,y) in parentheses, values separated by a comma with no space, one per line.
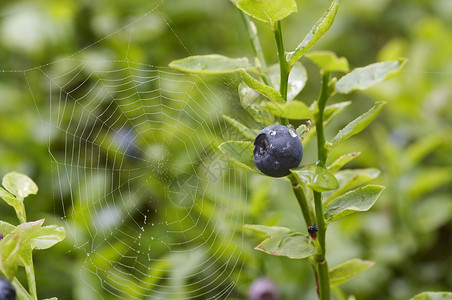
(132,231)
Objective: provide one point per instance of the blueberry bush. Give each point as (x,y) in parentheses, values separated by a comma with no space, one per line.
(407,233)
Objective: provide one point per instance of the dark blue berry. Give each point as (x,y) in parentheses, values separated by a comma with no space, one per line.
(263,289)
(7,291)
(277,149)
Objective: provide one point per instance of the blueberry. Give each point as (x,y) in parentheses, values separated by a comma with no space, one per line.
(263,289)
(277,149)
(7,291)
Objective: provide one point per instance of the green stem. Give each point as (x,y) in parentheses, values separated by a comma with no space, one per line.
(20,212)
(323,97)
(283,67)
(252,33)
(324,280)
(20,290)
(31,279)
(322,265)
(302,201)
(283,70)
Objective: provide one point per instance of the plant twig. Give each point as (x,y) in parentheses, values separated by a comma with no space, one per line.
(283,70)
(301,197)
(323,97)
(252,33)
(322,265)
(29,270)
(324,280)
(20,290)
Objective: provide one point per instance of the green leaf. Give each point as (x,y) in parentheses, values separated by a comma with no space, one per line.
(19,185)
(251,101)
(361,199)
(17,204)
(349,269)
(317,31)
(27,230)
(349,179)
(342,161)
(419,149)
(22,293)
(241,153)
(47,236)
(433,296)
(36,237)
(268,11)
(330,113)
(333,110)
(10,199)
(284,242)
(6,228)
(262,88)
(427,179)
(245,131)
(357,125)
(269,230)
(303,130)
(317,178)
(431,213)
(297,79)
(363,78)
(328,61)
(295,110)
(210,64)
(9,255)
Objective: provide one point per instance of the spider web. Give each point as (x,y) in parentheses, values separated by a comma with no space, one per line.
(149,204)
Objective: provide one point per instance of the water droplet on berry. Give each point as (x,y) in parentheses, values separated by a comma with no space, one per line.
(276,165)
(292,131)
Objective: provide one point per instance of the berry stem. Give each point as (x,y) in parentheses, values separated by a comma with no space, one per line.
(322,265)
(20,290)
(20,209)
(255,43)
(324,280)
(31,279)
(301,197)
(321,102)
(283,67)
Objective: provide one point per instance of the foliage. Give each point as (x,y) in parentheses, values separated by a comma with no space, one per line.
(18,242)
(282,241)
